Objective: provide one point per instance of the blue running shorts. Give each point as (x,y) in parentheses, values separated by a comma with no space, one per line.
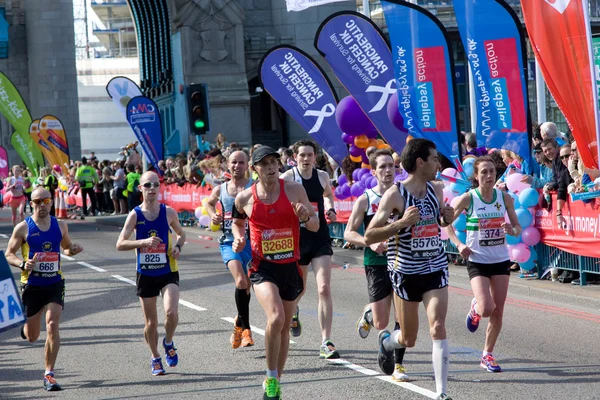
(244,257)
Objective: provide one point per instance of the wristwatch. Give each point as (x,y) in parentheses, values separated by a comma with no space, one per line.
(22,266)
(179,247)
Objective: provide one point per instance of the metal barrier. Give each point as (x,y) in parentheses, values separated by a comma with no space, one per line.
(187,218)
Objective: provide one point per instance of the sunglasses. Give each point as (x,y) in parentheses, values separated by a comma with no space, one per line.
(149,185)
(565,156)
(45,200)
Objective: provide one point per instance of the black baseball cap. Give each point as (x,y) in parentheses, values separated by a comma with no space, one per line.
(262,152)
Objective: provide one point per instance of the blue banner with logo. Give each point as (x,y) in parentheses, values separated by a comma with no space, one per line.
(362,61)
(493,41)
(144,118)
(424,74)
(295,81)
(11,308)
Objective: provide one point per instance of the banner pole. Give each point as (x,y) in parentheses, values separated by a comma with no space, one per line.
(472,101)
(540,91)
(366,8)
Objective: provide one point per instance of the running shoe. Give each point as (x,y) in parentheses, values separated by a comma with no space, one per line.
(171,354)
(296,326)
(272,389)
(363,325)
(157,366)
(328,350)
(473,318)
(399,374)
(50,384)
(247,340)
(236,336)
(444,396)
(489,362)
(385,357)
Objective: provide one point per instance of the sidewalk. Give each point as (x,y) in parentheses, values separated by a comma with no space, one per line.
(566,293)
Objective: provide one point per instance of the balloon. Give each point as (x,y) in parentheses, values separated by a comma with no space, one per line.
(204,201)
(204,211)
(529,265)
(372,183)
(380,141)
(458,188)
(514,184)
(351,118)
(365,160)
(460,224)
(520,253)
(516,201)
(468,166)
(454,202)
(363,165)
(346,192)
(371,134)
(513,240)
(347,138)
(462,236)
(356,151)
(339,194)
(364,178)
(355,173)
(403,174)
(451,172)
(525,218)
(531,236)
(56,167)
(361,141)
(214,227)
(355,158)
(372,143)
(444,234)
(357,189)
(449,195)
(198,212)
(394,114)
(342,179)
(409,138)
(528,198)
(204,220)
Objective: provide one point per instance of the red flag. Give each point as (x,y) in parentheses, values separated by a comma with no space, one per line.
(560,35)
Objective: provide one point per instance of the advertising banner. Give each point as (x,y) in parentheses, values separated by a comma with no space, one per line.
(12,105)
(424,74)
(11,308)
(53,134)
(361,59)
(3,163)
(144,118)
(564,54)
(596,52)
(25,148)
(34,134)
(492,37)
(295,81)
(121,90)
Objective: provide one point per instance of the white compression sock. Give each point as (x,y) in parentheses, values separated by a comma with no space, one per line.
(440,359)
(391,342)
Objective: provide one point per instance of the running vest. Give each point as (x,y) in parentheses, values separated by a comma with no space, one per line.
(485,235)
(17,190)
(154,261)
(418,249)
(274,230)
(314,191)
(47,247)
(227,203)
(371,257)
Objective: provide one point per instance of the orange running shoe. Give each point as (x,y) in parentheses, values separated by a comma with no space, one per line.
(236,337)
(247,340)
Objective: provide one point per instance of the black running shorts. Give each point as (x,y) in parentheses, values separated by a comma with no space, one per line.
(35,298)
(378,282)
(150,286)
(287,277)
(488,270)
(413,287)
(312,248)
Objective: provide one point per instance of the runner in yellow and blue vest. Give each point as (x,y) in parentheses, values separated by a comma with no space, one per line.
(40,238)
(87,177)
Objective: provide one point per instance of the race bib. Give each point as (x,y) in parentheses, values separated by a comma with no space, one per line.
(278,244)
(228,222)
(425,240)
(491,232)
(153,257)
(47,263)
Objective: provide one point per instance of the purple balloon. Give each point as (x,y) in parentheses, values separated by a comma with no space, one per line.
(345,190)
(365,159)
(347,138)
(355,173)
(365,178)
(351,118)
(393,113)
(371,134)
(342,179)
(357,189)
(372,183)
(356,151)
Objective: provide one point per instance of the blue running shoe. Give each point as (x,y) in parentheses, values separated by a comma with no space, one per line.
(489,362)
(473,318)
(385,357)
(157,366)
(171,354)
(50,384)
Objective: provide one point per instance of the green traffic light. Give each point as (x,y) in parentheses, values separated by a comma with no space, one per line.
(199,124)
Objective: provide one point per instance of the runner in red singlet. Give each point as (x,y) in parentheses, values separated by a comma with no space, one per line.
(274,208)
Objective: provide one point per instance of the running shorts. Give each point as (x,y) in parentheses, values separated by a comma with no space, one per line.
(413,287)
(287,277)
(35,297)
(151,286)
(244,257)
(313,248)
(488,270)
(378,282)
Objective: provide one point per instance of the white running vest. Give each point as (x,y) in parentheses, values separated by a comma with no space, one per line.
(485,235)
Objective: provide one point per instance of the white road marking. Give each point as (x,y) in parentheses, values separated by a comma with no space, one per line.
(386,378)
(67,257)
(191,305)
(123,279)
(2,235)
(252,328)
(91,266)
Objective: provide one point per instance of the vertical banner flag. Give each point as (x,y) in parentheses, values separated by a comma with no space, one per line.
(11,308)
(24,148)
(596,50)
(53,134)
(424,74)
(144,118)
(362,61)
(295,81)
(3,163)
(121,90)
(560,36)
(34,134)
(299,5)
(492,37)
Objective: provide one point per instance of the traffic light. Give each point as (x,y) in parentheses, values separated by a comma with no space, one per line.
(198,108)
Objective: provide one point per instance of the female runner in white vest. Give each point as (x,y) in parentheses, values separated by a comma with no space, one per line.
(487,252)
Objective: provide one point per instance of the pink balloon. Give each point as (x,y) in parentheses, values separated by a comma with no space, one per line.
(514,184)
(448,195)
(531,236)
(520,253)
(444,234)
(451,172)
(454,201)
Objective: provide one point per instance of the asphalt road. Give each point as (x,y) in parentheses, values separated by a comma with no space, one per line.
(547,350)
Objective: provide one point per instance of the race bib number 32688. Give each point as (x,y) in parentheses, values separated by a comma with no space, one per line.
(278,244)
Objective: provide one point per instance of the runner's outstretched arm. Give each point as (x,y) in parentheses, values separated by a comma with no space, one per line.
(14,244)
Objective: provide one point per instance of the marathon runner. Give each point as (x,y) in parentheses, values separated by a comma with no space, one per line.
(377,313)
(237,263)
(417,261)
(17,198)
(157,271)
(40,238)
(487,252)
(274,208)
(315,247)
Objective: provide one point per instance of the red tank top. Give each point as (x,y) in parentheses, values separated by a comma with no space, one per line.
(274,230)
